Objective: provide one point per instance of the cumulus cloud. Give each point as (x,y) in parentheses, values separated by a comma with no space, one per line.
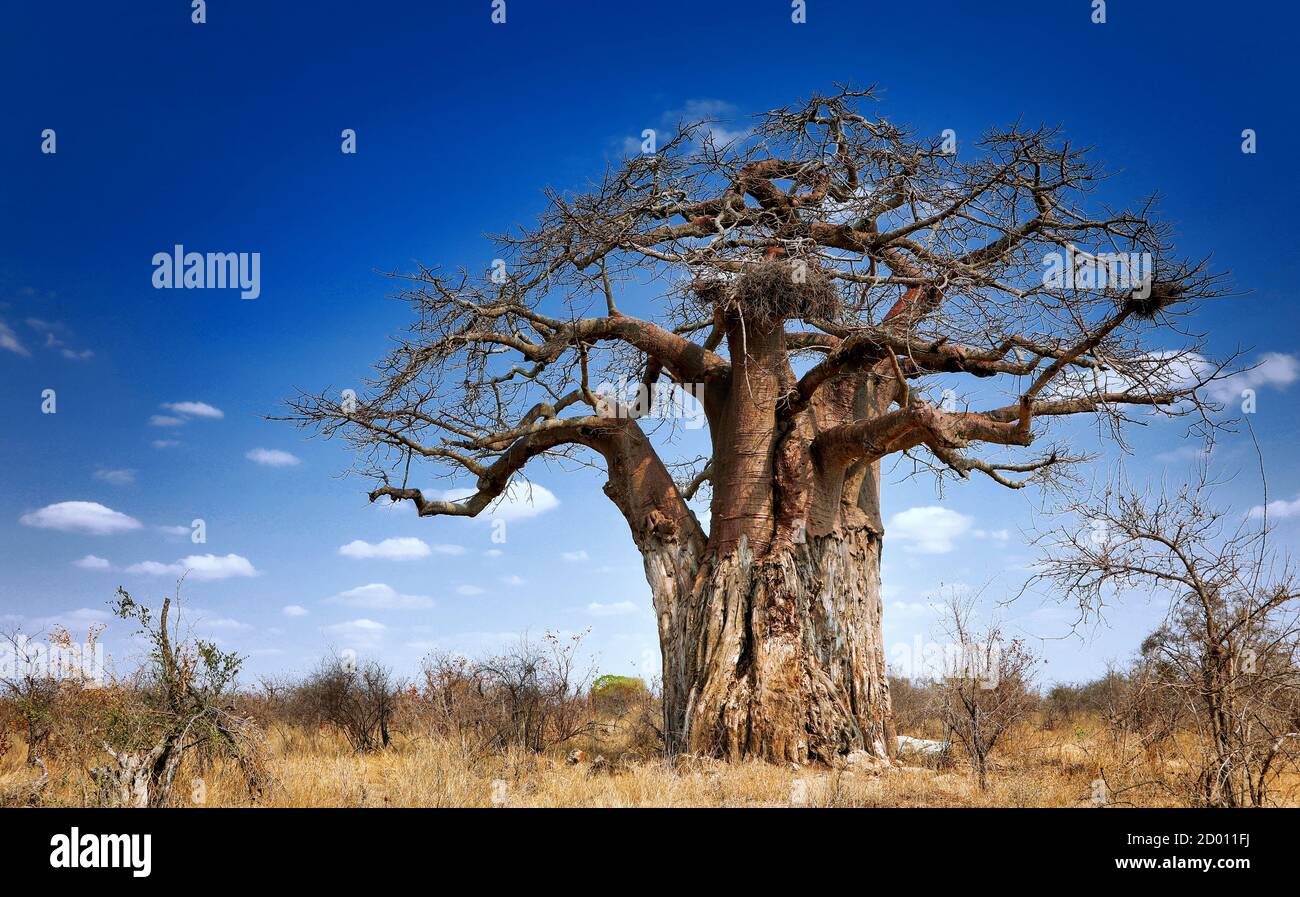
(1176,370)
(910,609)
(202,567)
(615,609)
(1001,536)
(405,549)
(119,477)
(380,596)
(519,501)
(1277,510)
(1183,453)
(513,580)
(194,409)
(928,530)
(80,517)
(271,457)
(294,610)
(219,623)
(359,633)
(721,117)
(78,620)
(578,555)
(1277,369)
(165,420)
(92,562)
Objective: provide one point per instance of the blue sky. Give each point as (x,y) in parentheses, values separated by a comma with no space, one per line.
(225,137)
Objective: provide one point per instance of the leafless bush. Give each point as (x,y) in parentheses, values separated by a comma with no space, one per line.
(360,701)
(529,697)
(986,689)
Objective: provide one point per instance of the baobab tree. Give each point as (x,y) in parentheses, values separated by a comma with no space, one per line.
(820,280)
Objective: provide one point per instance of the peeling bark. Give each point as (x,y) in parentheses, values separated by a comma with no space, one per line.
(770,629)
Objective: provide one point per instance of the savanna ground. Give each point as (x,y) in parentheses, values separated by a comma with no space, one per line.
(1047,760)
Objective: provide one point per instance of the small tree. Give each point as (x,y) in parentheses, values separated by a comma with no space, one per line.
(985,689)
(184,703)
(1226,661)
(618,695)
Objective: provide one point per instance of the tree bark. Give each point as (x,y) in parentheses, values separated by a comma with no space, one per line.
(788,660)
(770,629)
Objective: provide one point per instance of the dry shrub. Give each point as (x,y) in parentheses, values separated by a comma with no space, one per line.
(529,697)
(358,701)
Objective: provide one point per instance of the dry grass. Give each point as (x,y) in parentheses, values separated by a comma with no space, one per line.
(1037,768)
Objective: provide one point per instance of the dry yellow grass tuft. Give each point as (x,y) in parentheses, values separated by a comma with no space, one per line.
(1036,768)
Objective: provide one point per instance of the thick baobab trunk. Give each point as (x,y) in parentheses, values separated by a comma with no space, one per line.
(771,631)
(787,656)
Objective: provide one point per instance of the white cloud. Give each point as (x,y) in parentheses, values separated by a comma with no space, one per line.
(120,477)
(578,555)
(895,609)
(165,420)
(80,516)
(271,457)
(9,340)
(928,530)
(174,530)
(513,580)
(616,609)
(75,621)
(357,633)
(1183,453)
(165,443)
(53,341)
(1277,510)
(721,127)
(493,553)
(453,550)
(1001,536)
(380,596)
(227,623)
(194,409)
(1276,369)
(468,590)
(92,562)
(467,644)
(202,567)
(294,610)
(518,502)
(405,549)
